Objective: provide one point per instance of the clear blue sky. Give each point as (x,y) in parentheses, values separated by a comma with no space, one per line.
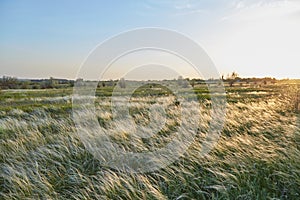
(39,39)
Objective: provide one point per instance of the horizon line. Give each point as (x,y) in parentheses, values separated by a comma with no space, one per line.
(114,79)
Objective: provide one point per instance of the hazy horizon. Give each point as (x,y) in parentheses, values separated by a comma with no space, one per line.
(137,79)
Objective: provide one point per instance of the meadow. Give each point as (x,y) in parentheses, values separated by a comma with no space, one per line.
(256,157)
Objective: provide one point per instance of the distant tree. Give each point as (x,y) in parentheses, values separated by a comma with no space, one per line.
(9,82)
(265,82)
(37,86)
(79,82)
(222,77)
(183,82)
(50,83)
(232,78)
(25,85)
(180,80)
(71,83)
(192,82)
(122,83)
(109,83)
(234,75)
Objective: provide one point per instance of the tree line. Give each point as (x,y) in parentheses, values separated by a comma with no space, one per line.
(231,80)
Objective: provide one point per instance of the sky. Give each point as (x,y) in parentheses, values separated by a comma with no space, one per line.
(255,38)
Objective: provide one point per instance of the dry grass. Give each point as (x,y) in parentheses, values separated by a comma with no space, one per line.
(257,157)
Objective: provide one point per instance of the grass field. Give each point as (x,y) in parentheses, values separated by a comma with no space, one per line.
(257,155)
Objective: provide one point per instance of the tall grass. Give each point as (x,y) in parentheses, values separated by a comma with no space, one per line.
(257,157)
